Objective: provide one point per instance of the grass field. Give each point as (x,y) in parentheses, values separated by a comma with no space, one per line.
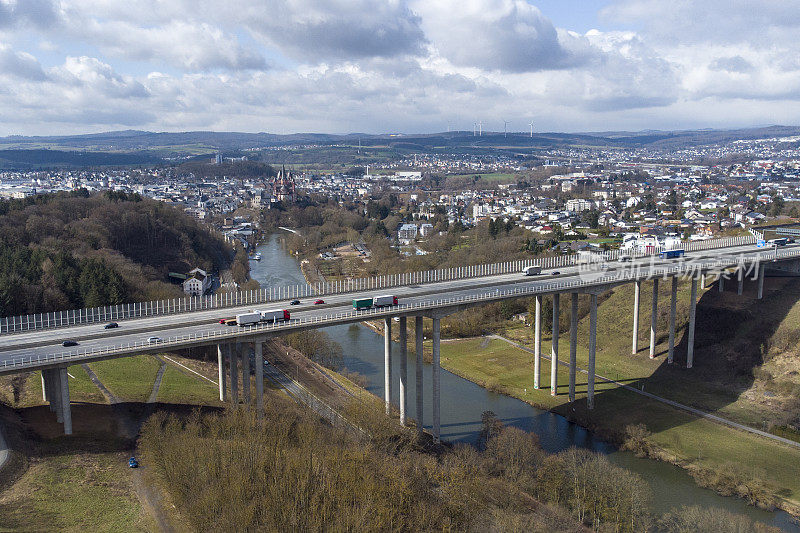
(128,378)
(73,492)
(177,387)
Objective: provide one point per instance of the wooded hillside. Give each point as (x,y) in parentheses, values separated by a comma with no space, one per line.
(72,250)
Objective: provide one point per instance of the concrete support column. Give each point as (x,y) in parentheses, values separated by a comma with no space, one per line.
(721,281)
(692,317)
(58,395)
(554,348)
(223,392)
(740,276)
(66,414)
(537,344)
(760,281)
(592,351)
(387,363)
(258,348)
(418,371)
(636,291)
(436,381)
(403,368)
(573,345)
(653,319)
(44,388)
(233,365)
(672,307)
(702,281)
(244,353)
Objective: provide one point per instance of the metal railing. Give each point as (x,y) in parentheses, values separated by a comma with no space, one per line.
(222,336)
(57,319)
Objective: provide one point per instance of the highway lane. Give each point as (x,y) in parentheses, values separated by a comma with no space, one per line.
(138,330)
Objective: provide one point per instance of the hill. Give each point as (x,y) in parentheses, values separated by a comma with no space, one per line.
(73,250)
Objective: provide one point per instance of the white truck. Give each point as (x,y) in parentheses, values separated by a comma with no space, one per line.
(248,319)
(274,315)
(532,270)
(385,300)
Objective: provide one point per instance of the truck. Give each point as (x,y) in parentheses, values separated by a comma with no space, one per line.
(672,254)
(274,315)
(248,319)
(362,303)
(532,270)
(384,301)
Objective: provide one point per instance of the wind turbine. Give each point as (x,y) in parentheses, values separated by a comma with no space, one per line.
(505,128)
(531,125)
(480,128)
(474,127)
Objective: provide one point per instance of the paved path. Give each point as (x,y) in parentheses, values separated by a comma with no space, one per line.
(157,382)
(661,399)
(99,384)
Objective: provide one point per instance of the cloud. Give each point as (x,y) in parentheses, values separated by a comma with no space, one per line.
(38,13)
(333,30)
(506,35)
(20,64)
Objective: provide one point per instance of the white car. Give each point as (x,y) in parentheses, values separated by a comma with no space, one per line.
(153,340)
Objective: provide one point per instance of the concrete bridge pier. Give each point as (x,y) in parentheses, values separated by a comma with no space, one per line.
(592,352)
(418,371)
(672,306)
(66,413)
(387,363)
(258,350)
(637,290)
(244,353)
(554,347)
(692,318)
(223,389)
(721,284)
(573,345)
(760,281)
(537,343)
(44,388)
(233,356)
(702,281)
(740,278)
(653,319)
(436,380)
(58,395)
(403,368)
(56,389)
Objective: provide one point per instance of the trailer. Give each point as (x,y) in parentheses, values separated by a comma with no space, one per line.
(672,254)
(532,270)
(274,315)
(248,319)
(362,303)
(384,301)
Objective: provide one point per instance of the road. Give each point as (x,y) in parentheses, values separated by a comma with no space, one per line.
(42,343)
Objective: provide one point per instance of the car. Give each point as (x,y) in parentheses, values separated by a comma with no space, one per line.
(223,320)
(133,463)
(152,340)
(69,343)
(555,273)
(294,302)
(111,325)
(319,302)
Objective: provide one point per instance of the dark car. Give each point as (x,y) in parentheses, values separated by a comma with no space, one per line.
(294,302)
(555,273)
(111,325)
(318,302)
(69,343)
(133,463)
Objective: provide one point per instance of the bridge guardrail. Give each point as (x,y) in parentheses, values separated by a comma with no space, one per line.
(58,319)
(632,274)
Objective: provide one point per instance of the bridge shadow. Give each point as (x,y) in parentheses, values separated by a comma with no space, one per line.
(732,335)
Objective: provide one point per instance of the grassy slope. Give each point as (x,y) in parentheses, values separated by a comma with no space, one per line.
(711,385)
(177,387)
(128,378)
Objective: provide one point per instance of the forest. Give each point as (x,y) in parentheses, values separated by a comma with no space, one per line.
(74,249)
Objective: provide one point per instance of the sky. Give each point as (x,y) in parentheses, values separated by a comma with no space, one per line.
(396,66)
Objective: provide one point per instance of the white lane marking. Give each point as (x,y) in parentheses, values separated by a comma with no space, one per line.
(70,375)
(189,369)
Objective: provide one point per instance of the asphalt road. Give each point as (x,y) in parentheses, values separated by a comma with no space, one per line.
(89,336)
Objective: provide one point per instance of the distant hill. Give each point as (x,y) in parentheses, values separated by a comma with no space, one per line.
(132,147)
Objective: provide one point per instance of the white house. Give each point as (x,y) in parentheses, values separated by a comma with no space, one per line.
(197,282)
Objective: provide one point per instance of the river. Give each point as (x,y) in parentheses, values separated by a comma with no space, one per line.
(463,402)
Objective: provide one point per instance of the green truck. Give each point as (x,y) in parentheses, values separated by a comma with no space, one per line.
(362,303)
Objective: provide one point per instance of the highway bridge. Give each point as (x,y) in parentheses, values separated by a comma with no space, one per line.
(34,343)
